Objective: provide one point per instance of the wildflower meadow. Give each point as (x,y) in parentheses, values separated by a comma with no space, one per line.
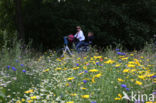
(91,77)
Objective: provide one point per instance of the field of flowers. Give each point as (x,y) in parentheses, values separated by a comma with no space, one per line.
(93,77)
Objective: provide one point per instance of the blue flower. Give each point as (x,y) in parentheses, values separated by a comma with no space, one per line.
(154,93)
(93,101)
(117,49)
(22,65)
(77,64)
(17,61)
(97,63)
(123,85)
(86,71)
(14,69)
(84,81)
(24,71)
(139,101)
(120,53)
(8,66)
(127,89)
(80,72)
(153,76)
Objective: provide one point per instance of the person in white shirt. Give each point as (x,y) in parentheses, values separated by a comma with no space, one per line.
(80,36)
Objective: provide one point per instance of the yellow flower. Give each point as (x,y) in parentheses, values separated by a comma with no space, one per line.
(83,88)
(149,65)
(46,70)
(70,78)
(93,79)
(150,102)
(141,77)
(150,75)
(94,62)
(58,68)
(109,61)
(120,80)
(81,73)
(78,58)
(29,91)
(75,68)
(95,57)
(74,94)
(124,58)
(86,79)
(141,72)
(30,101)
(99,57)
(84,67)
(93,70)
(131,62)
(33,97)
(138,83)
(137,62)
(67,84)
(133,70)
(18,101)
(23,100)
(98,75)
(70,102)
(58,59)
(117,98)
(117,65)
(85,96)
(105,58)
(91,59)
(120,95)
(142,57)
(154,80)
(85,58)
(65,68)
(126,70)
(131,66)
(131,54)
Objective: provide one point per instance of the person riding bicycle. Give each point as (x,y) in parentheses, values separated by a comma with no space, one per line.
(81,38)
(90,38)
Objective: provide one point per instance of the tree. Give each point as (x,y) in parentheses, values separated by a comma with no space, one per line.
(19,21)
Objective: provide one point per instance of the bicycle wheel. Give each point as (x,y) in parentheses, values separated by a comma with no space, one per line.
(84,48)
(59,52)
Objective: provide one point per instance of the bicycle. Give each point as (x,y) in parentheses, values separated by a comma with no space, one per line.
(61,52)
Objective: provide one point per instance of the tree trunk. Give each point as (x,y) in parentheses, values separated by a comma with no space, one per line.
(19,23)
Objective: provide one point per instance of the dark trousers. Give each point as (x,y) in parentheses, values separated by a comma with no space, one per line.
(78,45)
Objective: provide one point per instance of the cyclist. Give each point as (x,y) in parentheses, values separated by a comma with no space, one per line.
(90,38)
(81,38)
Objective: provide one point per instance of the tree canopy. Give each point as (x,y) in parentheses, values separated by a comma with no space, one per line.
(45,22)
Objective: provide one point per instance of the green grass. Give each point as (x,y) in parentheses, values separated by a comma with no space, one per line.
(48,76)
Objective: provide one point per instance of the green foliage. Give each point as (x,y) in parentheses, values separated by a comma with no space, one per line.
(129,23)
(2,95)
(7,39)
